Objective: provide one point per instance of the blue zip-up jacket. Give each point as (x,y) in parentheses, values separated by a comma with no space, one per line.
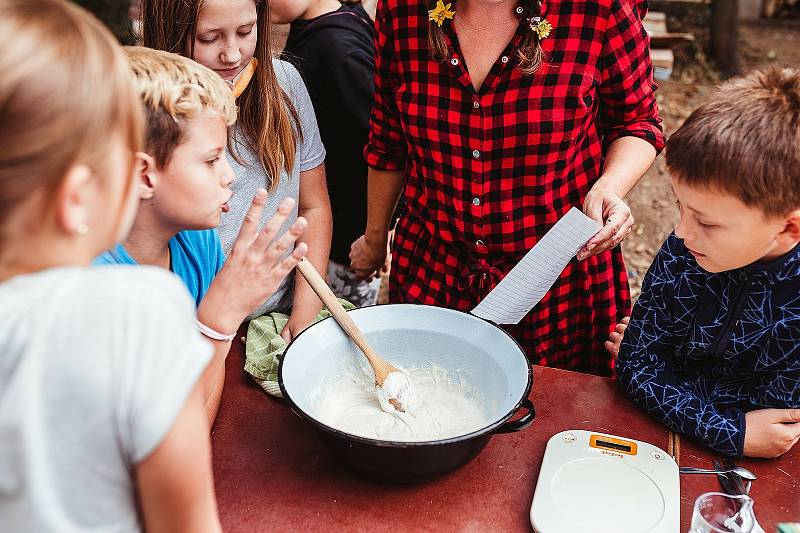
(702,349)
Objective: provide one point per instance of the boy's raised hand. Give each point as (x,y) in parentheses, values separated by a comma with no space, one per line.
(254,268)
(771,432)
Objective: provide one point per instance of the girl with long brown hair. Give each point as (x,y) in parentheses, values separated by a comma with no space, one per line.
(275,143)
(101,418)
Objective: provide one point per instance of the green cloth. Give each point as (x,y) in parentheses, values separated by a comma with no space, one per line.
(265,346)
(788,528)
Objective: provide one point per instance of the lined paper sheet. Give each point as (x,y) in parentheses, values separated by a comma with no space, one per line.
(532,277)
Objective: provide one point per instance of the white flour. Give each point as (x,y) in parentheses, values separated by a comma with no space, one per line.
(448,409)
(400,387)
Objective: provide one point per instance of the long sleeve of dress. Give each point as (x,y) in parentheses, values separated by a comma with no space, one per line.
(645,365)
(627,90)
(386,148)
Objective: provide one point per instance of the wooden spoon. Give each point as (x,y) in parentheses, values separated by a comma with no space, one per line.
(380,367)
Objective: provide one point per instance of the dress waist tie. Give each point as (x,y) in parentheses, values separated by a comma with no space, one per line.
(480,278)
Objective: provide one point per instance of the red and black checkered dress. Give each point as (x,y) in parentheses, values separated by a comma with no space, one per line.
(489,172)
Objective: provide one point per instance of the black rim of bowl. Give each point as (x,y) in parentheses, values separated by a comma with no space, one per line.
(402,444)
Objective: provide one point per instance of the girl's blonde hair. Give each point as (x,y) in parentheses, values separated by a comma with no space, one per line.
(267,117)
(65,91)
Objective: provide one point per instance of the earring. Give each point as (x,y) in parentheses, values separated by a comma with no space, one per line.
(83,229)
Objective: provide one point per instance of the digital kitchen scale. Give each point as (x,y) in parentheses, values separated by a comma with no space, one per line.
(605,484)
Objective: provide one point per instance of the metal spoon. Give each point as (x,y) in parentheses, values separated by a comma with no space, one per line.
(738,470)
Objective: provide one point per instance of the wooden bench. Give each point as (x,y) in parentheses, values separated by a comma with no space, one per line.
(661,43)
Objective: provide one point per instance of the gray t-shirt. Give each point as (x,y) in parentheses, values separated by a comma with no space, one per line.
(95,366)
(252,175)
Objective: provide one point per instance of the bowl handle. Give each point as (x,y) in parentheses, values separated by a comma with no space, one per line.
(520,423)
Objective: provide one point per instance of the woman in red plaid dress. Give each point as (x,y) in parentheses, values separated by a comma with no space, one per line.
(493,127)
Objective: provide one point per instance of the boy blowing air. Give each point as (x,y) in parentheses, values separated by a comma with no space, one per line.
(183,182)
(713,345)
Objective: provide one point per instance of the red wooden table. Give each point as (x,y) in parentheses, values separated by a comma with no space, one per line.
(776,492)
(272,472)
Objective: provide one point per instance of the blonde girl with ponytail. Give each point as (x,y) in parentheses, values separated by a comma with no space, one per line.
(101,420)
(274,145)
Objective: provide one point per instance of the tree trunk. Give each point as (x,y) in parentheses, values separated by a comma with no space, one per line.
(725,35)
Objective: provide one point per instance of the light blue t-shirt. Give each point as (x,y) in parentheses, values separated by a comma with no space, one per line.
(195,256)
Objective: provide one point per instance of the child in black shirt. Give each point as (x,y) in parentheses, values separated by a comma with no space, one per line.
(331,44)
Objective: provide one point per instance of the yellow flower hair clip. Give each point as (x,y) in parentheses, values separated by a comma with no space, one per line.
(542,28)
(441,12)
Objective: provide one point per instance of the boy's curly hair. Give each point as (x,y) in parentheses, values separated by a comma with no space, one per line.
(745,142)
(174,89)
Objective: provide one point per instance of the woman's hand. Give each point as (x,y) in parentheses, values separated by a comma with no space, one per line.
(771,432)
(605,205)
(368,257)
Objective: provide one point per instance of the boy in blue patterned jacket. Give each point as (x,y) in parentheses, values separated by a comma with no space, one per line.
(713,345)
